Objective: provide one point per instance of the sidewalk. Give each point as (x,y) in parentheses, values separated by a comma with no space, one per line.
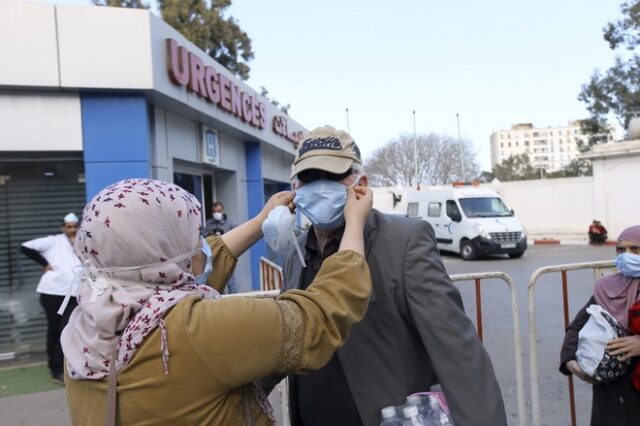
(29,397)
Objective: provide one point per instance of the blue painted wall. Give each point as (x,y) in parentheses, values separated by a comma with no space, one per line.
(255,202)
(115,132)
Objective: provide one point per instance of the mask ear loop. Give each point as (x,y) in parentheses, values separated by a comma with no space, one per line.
(295,242)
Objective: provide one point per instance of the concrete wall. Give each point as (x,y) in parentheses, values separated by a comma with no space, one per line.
(558,208)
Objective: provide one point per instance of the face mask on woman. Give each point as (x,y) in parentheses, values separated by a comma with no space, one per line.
(202,278)
(217,216)
(628,264)
(322,202)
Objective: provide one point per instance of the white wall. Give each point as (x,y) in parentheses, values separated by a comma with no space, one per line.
(276,164)
(28,54)
(616,172)
(104,47)
(40,122)
(562,208)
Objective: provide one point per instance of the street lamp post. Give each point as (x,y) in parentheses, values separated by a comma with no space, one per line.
(347,111)
(415,150)
(464,177)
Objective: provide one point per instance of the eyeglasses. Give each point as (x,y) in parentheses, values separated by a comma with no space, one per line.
(632,249)
(311,175)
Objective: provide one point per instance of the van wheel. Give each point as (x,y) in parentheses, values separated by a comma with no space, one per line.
(467,251)
(517,255)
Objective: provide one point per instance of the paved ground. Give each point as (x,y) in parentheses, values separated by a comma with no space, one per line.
(499,333)
(50,407)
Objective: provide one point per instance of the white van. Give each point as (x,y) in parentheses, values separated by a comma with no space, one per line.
(468,220)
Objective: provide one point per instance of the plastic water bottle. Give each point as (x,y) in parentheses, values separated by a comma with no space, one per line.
(430,409)
(412,416)
(390,417)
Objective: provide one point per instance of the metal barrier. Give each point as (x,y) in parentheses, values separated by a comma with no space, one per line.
(600,269)
(517,341)
(270,275)
(476,278)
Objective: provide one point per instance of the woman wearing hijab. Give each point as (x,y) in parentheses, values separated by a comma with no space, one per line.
(616,403)
(149,344)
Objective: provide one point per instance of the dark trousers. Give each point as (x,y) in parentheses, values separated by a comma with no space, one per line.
(55,324)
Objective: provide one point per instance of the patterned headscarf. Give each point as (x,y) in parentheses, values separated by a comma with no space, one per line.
(136,242)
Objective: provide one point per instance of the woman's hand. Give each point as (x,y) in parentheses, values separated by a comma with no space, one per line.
(283,198)
(359,204)
(625,347)
(575,369)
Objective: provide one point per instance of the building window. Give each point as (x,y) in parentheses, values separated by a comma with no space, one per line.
(509,144)
(517,144)
(501,144)
(526,143)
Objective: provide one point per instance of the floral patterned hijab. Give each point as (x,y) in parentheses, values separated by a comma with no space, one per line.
(136,242)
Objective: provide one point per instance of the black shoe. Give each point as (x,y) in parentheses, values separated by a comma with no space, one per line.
(58,379)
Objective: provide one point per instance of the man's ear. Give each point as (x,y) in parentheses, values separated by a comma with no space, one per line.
(364,180)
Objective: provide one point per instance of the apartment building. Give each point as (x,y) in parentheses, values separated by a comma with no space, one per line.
(550,148)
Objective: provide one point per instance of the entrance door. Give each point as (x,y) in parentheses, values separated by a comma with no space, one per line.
(190,183)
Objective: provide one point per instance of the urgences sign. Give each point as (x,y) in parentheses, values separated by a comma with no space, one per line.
(187,69)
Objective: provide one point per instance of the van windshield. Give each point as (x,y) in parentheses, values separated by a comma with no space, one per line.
(484,207)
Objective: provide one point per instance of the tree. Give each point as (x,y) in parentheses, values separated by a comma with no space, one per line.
(617,91)
(265,94)
(438,161)
(132,4)
(516,167)
(576,167)
(205,24)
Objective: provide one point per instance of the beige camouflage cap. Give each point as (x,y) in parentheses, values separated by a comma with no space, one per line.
(328,149)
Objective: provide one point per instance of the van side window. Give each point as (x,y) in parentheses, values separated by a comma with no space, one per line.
(452,209)
(412,209)
(434,209)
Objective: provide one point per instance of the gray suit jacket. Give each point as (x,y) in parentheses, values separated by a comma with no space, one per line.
(415,332)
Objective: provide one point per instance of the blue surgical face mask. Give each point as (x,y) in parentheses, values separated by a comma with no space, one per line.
(202,278)
(628,264)
(322,202)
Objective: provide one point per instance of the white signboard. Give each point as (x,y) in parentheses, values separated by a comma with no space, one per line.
(210,147)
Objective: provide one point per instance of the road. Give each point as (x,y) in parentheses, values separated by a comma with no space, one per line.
(50,407)
(497,323)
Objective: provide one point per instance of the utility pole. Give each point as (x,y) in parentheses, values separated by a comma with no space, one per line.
(415,150)
(464,177)
(348,129)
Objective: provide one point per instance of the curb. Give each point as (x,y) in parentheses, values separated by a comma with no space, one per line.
(547,242)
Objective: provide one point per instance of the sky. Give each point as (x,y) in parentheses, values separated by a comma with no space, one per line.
(494,62)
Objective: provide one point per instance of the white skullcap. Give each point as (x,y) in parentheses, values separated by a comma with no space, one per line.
(71,217)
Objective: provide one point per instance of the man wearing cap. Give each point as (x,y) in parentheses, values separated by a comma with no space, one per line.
(57,257)
(415,333)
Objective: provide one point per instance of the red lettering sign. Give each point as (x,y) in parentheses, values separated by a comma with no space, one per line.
(178,63)
(187,69)
(280,127)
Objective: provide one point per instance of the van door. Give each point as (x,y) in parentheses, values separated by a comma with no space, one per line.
(435,216)
(453,217)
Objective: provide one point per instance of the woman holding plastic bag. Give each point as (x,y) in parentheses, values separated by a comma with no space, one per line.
(616,385)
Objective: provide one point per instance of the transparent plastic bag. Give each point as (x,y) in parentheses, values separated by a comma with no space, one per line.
(433,407)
